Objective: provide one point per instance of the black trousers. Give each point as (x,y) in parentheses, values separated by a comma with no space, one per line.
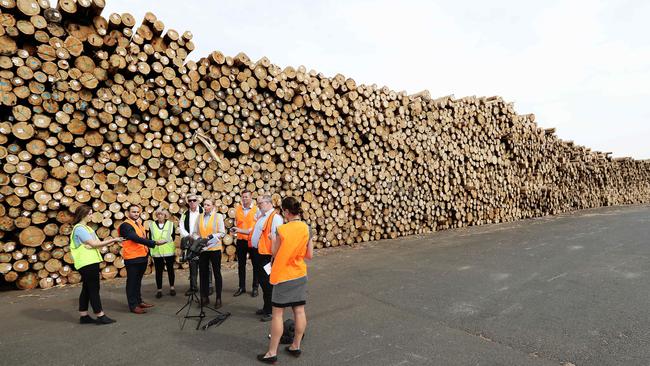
(267,290)
(90,288)
(135,269)
(242,251)
(160,263)
(207,258)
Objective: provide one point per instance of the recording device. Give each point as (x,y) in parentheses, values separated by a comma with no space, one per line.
(191,247)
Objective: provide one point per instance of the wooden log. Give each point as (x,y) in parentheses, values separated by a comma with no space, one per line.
(32,236)
(74,278)
(26,281)
(109,272)
(5,268)
(7,46)
(46,283)
(53,265)
(95,112)
(11,276)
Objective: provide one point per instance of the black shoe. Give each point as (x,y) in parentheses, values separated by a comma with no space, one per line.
(239,292)
(271,360)
(259,312)
(254,293)
(158,294)
(293,352)
(104,320)
(205,301)
(211,291)
(217,303)
(190,291)
(86,319)
(172,292)
(266,318)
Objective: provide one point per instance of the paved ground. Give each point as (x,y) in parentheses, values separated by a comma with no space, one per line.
(572,288)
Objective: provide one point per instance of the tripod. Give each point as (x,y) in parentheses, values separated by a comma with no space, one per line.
(220,318)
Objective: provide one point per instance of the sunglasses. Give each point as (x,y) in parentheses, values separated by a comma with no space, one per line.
(192,201)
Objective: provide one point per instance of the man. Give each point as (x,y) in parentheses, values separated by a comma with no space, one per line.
(187,225)
(261,239)
(135,251)
(245,214)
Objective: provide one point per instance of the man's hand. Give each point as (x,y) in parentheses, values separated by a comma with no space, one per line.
(161,242)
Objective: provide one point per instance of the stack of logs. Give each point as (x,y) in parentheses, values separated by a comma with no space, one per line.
(97,111)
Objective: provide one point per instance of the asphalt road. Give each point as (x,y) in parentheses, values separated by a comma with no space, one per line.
(566,289)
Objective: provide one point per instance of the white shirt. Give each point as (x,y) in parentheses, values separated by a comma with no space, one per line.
(194,215)
(259,226)
(246,210)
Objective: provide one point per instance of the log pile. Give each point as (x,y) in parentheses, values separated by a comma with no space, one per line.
(107,112)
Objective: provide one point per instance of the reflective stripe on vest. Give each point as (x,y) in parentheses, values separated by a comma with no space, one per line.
(81,255)
(166,250)
(245,222)
(264,244)
(131,249)
(206,231)
(289,263)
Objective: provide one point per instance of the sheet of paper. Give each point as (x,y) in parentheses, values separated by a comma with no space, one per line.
(267,268)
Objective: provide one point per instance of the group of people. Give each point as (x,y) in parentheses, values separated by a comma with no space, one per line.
(276,240)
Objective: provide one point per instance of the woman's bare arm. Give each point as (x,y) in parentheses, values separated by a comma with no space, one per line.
(275,246)
(96,243)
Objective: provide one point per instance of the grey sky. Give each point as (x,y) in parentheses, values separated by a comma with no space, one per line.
(580,66)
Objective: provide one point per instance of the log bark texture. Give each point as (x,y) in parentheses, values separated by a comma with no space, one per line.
(96,111)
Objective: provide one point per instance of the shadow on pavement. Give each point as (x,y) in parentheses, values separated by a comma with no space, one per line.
(51,315)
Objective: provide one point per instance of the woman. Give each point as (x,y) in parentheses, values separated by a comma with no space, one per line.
(86,256)
(164,255)
(210,225)
(291,246)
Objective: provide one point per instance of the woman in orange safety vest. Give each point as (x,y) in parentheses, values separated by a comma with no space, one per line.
(291,246)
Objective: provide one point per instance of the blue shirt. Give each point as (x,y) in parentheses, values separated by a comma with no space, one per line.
(81,235)
(259,226)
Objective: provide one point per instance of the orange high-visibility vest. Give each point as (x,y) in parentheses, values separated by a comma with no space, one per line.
(264,245)
(131,249)
(209,229)
(245,222)
(289,263)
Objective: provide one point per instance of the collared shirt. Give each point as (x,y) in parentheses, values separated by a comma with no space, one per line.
(259,226)
(247,209)
(194,216)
